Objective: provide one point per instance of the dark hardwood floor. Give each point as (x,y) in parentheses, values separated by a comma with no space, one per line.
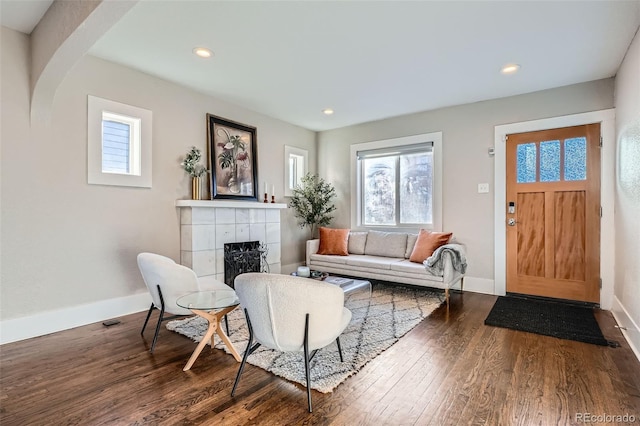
(451,369)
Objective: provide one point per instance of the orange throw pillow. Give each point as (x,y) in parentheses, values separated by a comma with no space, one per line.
(334,241)
(427,243)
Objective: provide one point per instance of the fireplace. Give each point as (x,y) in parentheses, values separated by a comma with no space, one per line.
(206,226)
(249,256)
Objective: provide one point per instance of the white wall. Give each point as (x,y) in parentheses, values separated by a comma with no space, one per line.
(66,243)
(627,206)
(468,132)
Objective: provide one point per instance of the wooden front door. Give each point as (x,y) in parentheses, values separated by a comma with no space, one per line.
(553,213)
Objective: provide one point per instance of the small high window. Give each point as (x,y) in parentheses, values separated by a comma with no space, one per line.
(119,144)
(296,166)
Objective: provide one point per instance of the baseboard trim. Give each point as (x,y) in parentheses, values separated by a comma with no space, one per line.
(478,285)
(290,268)
(631,331)
(13,330)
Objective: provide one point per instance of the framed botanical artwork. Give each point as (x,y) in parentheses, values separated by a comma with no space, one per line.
(232,159)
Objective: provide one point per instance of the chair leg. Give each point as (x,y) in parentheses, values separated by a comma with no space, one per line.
(339,348)
(306,361)
(147,320)
(248,351)
(155,336)
(461,284)
(313,353)
(226,323)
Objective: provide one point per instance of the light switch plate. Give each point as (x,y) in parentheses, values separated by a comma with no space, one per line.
(483,188)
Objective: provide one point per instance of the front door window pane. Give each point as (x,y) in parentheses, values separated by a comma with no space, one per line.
(550,161)
(575,159)
(379,191)
(526,167)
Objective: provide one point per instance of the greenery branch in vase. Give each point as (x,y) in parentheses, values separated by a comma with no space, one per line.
(195,170)
(312,203)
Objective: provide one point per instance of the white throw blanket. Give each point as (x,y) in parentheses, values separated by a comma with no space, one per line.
(435,263)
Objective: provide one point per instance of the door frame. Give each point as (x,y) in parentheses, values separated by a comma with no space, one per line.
(606,118)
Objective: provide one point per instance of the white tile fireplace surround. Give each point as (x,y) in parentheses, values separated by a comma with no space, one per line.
(206,226)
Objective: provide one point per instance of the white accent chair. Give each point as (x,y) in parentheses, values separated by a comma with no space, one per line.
(290,314)
(167,281)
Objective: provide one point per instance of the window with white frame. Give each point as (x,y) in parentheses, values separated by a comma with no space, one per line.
(119,144)
(398,182)
(296,166)
(295,170)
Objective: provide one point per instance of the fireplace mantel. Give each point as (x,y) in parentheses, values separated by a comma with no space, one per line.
(207,225)
(229,204)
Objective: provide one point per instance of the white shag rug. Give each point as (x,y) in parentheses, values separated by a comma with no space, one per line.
(377,323)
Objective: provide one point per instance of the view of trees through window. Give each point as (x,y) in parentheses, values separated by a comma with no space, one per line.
(380,191)
(397,189)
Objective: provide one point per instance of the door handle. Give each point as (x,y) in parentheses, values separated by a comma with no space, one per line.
(511,222)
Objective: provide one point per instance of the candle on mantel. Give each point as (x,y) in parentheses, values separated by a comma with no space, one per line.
(273,190)
(265,186)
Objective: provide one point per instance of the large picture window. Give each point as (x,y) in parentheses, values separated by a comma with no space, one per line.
(397,185)
(397,182)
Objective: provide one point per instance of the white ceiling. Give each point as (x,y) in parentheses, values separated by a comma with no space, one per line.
(370,60)
(22,15)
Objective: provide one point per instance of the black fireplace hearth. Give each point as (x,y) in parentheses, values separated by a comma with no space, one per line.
(240,258)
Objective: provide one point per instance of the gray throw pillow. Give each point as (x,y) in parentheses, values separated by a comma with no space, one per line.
(411,241)
(357,241)
(389,244)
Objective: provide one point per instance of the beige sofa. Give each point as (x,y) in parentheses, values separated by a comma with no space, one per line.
(385,256)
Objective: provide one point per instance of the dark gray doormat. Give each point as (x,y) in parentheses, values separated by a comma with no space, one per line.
(550,318)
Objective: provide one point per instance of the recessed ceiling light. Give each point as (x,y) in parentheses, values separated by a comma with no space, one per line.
(327,111)
(510,69)
(203,52)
